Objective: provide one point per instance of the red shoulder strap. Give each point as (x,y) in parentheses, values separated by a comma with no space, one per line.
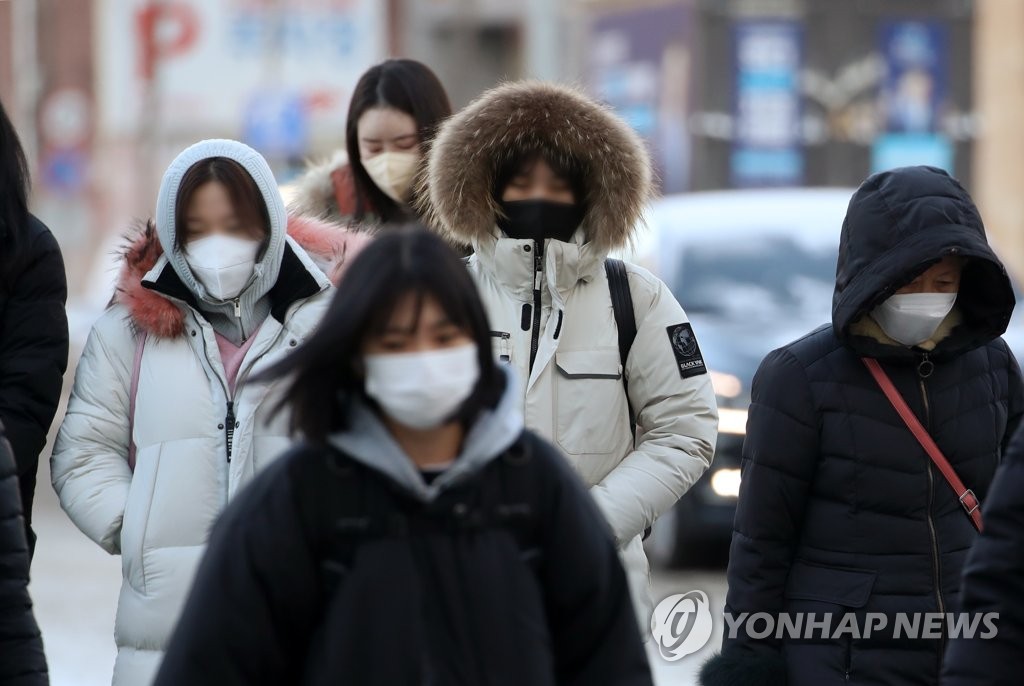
(970,502)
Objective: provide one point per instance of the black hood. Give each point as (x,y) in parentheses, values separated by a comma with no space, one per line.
(899,223)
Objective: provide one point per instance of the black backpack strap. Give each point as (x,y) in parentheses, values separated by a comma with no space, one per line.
(625,322)
(516,508)
(625,319)
(359,511)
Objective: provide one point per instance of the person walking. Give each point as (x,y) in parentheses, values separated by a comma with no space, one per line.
(33,322)
(417,535)
(543,183)
(22,661)
(843,511)
(165,422)
(992,584)
(394,111)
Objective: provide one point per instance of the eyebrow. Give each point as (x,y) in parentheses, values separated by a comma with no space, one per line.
(396,139)
(439,324)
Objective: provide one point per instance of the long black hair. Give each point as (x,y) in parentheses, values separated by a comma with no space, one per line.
(14,189)
(325,374)
(407,86)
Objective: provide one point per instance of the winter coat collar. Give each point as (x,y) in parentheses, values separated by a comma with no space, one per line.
(154,294)
(493,432)
(456,194)
(511,263)
(328,191)
(898,224)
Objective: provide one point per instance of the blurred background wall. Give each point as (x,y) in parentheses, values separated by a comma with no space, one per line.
(729,93)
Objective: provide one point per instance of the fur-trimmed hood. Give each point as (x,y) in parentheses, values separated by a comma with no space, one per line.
(329,246)
(316,193)
(524,117)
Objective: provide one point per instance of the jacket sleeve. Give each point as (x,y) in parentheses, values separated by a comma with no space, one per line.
(594,629)
(253,603)
(33,352)
(1015,398)
(89,465)
(993,582)
(677,420)
(779,460)
(22,661)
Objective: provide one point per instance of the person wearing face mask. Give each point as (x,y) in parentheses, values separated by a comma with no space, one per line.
(543,183)
(417,535)
(165,424)
(395,108)
(844,508)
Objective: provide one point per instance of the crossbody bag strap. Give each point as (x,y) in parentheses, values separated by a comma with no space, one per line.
(969,501)
(133,392)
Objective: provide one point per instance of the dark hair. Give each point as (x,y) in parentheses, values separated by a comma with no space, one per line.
(407,86)
(324,372)
(14,189)
(568,168)
(246,198)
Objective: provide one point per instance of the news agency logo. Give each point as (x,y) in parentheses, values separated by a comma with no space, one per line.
(682,624)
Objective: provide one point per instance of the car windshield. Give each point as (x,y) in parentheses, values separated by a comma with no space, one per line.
(757,278)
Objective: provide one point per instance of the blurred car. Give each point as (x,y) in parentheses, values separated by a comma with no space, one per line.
(754,270)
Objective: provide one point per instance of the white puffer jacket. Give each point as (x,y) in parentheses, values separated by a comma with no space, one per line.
(575,394)
(158,517)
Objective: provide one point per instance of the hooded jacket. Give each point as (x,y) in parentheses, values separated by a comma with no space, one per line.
(33,349)
(455,605)
(550,301)
(22,662)
(328,191)
(840,509)
(191,458)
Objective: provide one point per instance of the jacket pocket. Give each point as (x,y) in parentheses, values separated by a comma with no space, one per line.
(843,586)
(590,400)
(136,515)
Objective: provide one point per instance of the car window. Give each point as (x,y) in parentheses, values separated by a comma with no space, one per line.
(760,277)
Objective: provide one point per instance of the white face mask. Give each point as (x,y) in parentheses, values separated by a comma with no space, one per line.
(224,265)
(423,390)
(913,318)
(393,173)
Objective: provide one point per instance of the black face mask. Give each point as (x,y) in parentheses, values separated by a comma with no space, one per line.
(539,220)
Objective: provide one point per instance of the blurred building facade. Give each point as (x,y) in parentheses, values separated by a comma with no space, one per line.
(728,93)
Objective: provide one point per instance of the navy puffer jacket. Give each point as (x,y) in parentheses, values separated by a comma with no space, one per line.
(840,510)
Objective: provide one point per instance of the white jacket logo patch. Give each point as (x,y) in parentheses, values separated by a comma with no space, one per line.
(687,351)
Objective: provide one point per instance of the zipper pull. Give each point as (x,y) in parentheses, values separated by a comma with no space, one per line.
(229,427)
(926,367)
(238,307)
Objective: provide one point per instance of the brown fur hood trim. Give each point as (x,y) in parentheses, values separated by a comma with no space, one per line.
(330,246)
(528,116)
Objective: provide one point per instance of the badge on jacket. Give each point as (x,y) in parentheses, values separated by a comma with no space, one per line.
(687,351)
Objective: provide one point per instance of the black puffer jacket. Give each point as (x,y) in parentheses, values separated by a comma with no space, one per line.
(327,572)
(33,350)
(840,510)
(22,662)
(994,583)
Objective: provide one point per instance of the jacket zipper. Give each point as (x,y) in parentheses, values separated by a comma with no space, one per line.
(538,267)
(237,302)
(924,370)
(229,427)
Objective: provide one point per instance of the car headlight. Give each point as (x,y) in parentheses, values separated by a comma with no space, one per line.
(732,421)
(726,483)
(726,385)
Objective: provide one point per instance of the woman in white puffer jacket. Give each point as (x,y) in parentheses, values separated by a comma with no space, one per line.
(163,427)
